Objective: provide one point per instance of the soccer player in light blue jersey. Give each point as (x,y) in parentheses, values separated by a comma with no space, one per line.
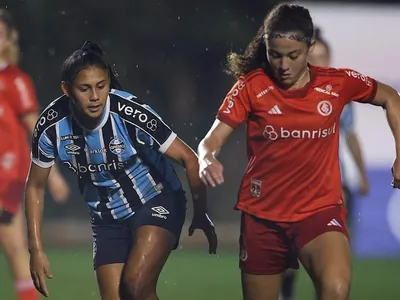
(117,147)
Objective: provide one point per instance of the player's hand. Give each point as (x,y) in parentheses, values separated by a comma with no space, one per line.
(58,188)
(211,171)
(396,174)
(363,188)
(40,269)
(203,222)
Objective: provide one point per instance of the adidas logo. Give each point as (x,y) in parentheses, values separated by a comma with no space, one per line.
(275,111)
(333,222)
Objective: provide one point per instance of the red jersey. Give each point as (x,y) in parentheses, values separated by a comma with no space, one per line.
(292,140)
(17,97)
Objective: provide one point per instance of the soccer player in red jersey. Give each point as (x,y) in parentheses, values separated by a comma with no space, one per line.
(321,56)
(290,195)
(18,115)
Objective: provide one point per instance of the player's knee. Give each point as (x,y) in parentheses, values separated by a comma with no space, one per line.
(137,285)
(336,287)
(13,249)
(13,246)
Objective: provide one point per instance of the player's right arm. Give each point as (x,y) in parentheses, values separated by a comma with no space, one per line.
(233,111)
(34,199)
(43,157)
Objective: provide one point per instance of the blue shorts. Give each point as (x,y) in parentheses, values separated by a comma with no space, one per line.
(112,242)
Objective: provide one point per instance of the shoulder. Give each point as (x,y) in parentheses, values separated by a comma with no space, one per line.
(329,72)
(340,73)
(129,109)
(254,76)
(125,104)
(17,77)
(257,83)
(52,114)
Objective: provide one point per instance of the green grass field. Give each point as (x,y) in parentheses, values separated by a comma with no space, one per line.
(194,275)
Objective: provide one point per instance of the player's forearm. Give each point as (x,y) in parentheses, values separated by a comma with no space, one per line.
(355,150)
(393,115)
(197,187)
(34,201)
(209,146)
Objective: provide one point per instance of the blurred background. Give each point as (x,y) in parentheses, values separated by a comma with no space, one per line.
(171,54)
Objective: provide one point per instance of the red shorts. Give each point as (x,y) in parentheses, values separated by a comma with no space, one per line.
(11,195)
(268,248)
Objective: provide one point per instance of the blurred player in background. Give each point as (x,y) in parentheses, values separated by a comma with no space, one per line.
(117,147)
(18,116)
(291,197)
(321,56)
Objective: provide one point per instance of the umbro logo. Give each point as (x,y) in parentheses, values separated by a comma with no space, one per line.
(275,111)
(72,149)
(161,212)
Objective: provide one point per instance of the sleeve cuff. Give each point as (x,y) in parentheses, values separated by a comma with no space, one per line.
(164,147)
(228,121)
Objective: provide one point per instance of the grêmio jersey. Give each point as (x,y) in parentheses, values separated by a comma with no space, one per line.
(120,164)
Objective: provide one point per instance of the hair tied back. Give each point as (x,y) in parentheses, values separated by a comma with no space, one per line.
(92,47)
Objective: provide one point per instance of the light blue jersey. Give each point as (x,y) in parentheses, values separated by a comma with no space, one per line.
(120,164)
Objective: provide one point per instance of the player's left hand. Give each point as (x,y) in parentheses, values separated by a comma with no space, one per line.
(396,174)
(203,222)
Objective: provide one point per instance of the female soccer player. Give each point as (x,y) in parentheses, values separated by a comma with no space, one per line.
(116,146)
(321,56)
(290,196)
(18,115)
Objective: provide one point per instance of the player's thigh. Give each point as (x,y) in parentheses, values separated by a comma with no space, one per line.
(111,246)
(156,228)
(324,247)
(109,280)
(12,235)
(11,197)
(151,249)
(265,254)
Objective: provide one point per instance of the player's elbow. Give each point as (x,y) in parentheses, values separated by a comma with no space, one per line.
(387,97)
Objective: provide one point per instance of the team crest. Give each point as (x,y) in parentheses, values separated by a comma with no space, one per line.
(255,187)
(117,146)
(243,254)
(324,108)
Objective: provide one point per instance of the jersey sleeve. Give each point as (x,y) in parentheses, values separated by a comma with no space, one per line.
(154,132)
(359,87)
(236,105)
(22,95)
(347,119)
(44,149)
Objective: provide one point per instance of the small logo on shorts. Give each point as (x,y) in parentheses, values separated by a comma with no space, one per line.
(161,212)
(243,255)
(333,222)
(255,187)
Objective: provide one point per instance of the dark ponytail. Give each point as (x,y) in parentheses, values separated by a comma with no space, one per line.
(90,54)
